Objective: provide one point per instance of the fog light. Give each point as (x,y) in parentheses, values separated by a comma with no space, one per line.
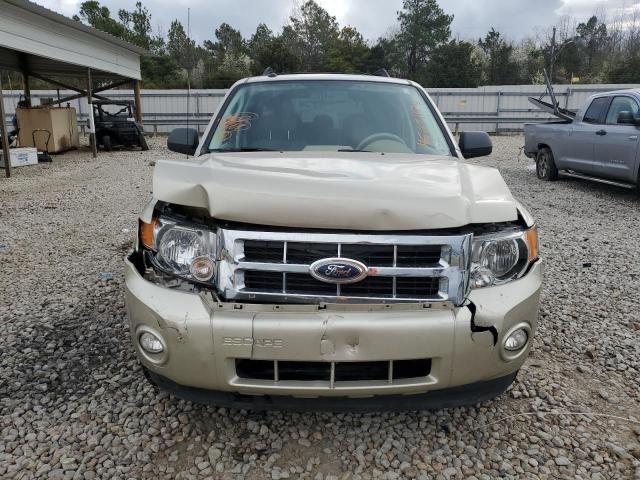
(202,269)
(482,277)
(517,340)
(150,343)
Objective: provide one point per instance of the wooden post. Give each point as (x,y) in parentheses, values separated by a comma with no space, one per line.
(92,124)
(24,68)
(138,101)
(5,134)
(27,88)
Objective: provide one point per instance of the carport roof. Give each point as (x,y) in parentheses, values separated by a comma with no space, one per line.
(35,39)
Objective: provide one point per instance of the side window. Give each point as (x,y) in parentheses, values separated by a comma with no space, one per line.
(621,104)
(595,110)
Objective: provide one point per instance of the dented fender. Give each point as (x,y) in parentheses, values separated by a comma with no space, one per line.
(514,302)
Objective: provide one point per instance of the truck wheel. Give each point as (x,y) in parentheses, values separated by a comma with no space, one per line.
(143,142)
(545,165)
(106,143)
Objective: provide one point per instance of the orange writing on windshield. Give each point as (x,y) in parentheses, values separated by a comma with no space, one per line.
(236,122)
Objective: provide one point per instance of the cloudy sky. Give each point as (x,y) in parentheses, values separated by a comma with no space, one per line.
(374,18)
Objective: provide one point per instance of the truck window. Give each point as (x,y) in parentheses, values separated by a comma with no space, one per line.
(621,104)
(595,110)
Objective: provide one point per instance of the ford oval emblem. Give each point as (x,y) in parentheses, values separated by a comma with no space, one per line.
(338,270)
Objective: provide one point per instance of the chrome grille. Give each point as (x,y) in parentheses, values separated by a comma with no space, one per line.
(307,253)
(300,283)
(274,266)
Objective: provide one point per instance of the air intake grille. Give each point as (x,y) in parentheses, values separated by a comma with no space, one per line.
(304,284)
(388,370)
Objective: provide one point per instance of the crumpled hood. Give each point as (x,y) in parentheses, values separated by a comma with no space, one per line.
(334,190)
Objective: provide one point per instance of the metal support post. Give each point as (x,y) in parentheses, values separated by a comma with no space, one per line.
(5,134)
(92,124)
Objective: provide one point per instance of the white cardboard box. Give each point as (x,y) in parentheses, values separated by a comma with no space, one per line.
(21,157)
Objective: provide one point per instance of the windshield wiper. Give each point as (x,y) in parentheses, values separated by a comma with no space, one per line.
(352,150)
(246,149)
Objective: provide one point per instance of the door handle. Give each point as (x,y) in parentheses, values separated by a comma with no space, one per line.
(601,132)
(633,137)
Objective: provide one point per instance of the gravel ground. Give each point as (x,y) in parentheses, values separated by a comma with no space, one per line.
(74,403)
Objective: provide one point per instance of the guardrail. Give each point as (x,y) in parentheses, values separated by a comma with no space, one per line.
(153,121)
(454,122)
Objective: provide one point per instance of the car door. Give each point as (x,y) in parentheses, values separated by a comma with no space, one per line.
(583,135)
(616,150)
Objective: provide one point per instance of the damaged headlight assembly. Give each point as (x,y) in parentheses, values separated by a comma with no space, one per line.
(183,250)
(501,257)
(188,251)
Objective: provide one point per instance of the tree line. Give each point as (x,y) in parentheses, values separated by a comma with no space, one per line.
(420,47)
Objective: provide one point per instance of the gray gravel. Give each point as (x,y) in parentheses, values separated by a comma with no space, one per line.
(74,404)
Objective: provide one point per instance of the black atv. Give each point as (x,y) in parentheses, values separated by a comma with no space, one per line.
(116,125)
(13,138)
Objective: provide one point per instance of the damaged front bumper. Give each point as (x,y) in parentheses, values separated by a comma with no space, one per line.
(263,355)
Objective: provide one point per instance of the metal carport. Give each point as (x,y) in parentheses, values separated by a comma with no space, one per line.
(43,44)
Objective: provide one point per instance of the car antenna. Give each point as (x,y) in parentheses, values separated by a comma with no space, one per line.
(381,72)
(188,64)
(269,72)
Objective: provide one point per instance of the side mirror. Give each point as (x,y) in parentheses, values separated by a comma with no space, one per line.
(475,144)
(625,117)
(183,140)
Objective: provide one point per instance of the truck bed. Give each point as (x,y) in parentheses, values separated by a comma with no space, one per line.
(536,134)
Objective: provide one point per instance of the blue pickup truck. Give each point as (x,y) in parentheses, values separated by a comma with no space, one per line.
(599,142)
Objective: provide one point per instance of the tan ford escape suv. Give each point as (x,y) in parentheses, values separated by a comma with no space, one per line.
(327,246)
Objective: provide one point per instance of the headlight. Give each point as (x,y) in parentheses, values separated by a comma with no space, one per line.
(185,250)
(501,257)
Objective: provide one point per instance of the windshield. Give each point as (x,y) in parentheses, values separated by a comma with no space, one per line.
(329,115)
(112,110)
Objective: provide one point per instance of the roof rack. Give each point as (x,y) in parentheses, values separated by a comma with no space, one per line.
(269,72)
(381,72)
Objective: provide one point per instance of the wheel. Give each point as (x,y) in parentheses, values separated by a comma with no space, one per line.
(545,165)
(143,142)
(106,143)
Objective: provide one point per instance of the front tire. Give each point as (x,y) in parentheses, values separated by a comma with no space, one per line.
(143,142)
(545,165)
(106,143)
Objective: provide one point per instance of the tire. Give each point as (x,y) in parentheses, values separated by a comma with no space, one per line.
(106,143)
(545,165)
(143,142)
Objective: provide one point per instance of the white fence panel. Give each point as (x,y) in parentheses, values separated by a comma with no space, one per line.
(485,108)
